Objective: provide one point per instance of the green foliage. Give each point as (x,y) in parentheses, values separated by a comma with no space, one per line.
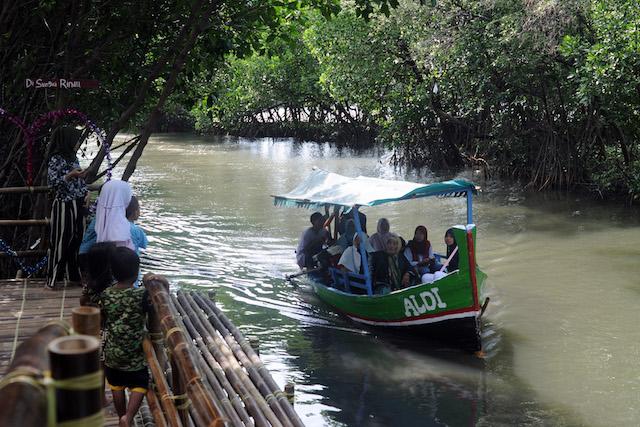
(541,90)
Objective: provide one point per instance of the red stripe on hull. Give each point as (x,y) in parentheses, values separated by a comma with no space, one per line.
(408,319)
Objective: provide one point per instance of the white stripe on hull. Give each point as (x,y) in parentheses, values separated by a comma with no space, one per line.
(417,321)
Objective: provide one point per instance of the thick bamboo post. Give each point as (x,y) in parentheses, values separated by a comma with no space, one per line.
(156,410)
(254,342)
(166,402)
(255,359)
(22,400)
(231,366)
(179,390)
(256,379)
(155,333)
(86,320)
(231,402)
(290,391)
(75,368)
(208,414)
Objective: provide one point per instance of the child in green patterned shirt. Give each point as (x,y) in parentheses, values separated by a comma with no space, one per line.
(124,308)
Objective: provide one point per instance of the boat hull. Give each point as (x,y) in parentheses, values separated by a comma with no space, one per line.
(444,310)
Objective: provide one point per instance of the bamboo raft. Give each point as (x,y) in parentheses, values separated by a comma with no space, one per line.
(204,372)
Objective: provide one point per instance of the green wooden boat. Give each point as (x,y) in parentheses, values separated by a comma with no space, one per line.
(447,309)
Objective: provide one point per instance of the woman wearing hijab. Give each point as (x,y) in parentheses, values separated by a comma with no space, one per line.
(112,224)
(347,238)
(419,251)
(351,259)
(450,241)
(67,180)
(379,240)
(390,267)
(450,264)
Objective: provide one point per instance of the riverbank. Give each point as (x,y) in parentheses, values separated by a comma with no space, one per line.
(405,158)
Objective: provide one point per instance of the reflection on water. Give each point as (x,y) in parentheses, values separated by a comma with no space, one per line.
(560,334)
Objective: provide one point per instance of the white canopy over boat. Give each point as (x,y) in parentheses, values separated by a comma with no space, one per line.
(326,188)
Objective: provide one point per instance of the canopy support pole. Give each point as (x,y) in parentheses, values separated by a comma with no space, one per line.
(363,250)
(469,207)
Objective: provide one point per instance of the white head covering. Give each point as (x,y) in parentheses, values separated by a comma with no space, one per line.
(351,258)
(111,218)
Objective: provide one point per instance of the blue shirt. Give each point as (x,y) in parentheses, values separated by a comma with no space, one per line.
(89,238)
(138,237)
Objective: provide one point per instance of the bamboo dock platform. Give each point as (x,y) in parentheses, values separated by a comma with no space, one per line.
(41,306)
(203,370)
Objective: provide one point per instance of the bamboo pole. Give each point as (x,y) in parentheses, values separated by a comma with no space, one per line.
(179,390)
(156,411)
(231,373)
(22,401)
(229,363)
(155,333)
(72,358)
(86,320)
(25,254)
(230,411)
(23,222)
(255,359)
(215,375)
(38,189)
(207,411)
(166,402)
(240,354)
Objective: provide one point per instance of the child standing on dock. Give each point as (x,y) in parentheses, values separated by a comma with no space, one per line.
(124,308)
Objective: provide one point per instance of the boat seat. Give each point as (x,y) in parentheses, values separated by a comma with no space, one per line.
(345,280)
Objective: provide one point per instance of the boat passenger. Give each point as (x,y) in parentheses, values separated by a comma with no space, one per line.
(450,241)
(379,240)
(449,265)
(351,259)
(348,216)
(419,251)
(125,309)
(390,269)
(311,241)
(346,239)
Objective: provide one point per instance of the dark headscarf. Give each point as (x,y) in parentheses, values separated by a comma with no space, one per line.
(419,248)
(346,239)
(65,139)
(453,264)
(99,266)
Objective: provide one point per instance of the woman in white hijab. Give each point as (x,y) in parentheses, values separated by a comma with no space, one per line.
(111,219)
(351,259)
